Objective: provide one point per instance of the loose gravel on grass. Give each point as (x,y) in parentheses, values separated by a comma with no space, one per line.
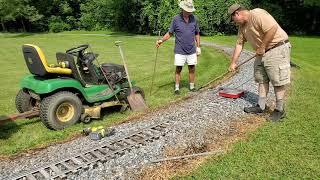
(191,119)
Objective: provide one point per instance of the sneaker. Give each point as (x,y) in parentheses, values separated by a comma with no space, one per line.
(277,115)
(176,92)
(254,109)
(193,89)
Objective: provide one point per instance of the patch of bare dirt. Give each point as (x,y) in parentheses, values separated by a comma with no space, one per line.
(222,139)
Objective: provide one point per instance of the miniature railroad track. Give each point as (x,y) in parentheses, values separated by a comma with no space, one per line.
(111,150)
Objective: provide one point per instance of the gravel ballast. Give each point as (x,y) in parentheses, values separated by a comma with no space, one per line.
(191,119)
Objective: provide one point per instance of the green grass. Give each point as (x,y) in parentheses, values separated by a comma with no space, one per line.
(222,40)
(140,52)
(225,40)
(287,150)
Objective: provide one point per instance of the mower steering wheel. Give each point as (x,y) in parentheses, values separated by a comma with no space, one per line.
(76,50)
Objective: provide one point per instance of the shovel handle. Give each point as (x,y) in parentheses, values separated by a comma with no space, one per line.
(118,43)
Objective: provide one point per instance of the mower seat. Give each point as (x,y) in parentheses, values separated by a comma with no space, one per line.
(37,63)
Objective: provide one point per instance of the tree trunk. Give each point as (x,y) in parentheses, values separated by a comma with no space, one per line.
(23,26)
(3,26)
(314,20)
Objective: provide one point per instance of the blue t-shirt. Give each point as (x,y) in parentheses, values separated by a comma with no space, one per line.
(185,34)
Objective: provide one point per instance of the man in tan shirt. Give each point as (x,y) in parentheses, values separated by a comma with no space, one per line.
(272,63)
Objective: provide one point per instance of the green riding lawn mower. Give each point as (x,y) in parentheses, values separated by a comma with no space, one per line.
(75,89)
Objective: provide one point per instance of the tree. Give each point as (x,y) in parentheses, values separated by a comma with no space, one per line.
(148,16)
(295,16)
(24,11)
(213,15)
(126,15)
(312,3)
(157,15)
(14,10)
(314,7)
(6,13)
(96,15)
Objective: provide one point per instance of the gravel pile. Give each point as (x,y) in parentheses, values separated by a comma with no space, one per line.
(191,119)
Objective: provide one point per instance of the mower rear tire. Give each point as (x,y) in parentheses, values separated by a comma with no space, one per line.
(24,102)
(60,110)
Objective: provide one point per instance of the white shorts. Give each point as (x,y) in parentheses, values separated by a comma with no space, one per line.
(180,60)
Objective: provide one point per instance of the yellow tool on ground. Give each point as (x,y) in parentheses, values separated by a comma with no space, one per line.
(97,133)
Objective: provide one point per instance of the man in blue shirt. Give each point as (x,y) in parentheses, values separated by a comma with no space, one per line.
(187,42)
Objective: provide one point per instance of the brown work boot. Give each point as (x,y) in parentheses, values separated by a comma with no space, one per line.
(254,109)
(277,115)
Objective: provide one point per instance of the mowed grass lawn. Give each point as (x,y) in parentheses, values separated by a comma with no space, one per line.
(286,150)
(140,53)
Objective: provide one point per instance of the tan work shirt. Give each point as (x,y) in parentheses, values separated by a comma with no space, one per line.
(259,22)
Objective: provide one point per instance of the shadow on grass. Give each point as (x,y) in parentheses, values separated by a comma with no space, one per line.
(19,35)
(121,34)
(105,112)
(8,129)
(307,36)
(170,84)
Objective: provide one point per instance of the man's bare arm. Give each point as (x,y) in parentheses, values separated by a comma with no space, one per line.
(166,36)
(163,39)
(235,56)
(198,40)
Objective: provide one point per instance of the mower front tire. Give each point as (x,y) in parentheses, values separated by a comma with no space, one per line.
(24,102)
(60,110)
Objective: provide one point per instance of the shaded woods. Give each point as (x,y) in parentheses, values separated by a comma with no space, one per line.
(146,16)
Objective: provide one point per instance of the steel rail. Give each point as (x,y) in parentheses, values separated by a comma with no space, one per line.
(68,166)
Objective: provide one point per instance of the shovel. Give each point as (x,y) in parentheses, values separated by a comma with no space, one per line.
(136,101)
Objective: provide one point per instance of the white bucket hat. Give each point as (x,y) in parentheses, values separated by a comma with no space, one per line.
(187,5)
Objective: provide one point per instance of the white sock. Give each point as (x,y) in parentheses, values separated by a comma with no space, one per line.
(279,104)
(262,102)
(191,85)
(177,87)
(280,92)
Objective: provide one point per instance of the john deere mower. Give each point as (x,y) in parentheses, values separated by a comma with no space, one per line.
(75,89)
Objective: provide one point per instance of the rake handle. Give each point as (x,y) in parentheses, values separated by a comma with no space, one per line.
(224,74)
(247,60)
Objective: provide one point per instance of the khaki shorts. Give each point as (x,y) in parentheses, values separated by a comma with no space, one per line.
(274,66)
(180,60)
